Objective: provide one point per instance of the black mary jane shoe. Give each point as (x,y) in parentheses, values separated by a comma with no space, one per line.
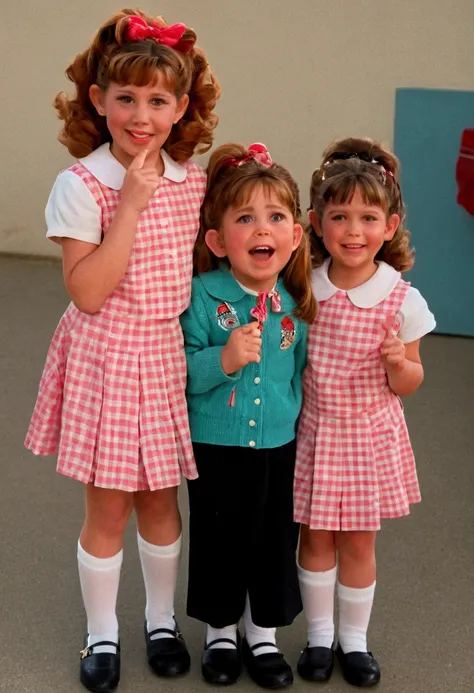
(222,666)
(267,670)
(359,668)
(316,663)
(167,656)
(100,672)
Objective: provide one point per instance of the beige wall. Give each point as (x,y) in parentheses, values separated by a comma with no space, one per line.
(294,74)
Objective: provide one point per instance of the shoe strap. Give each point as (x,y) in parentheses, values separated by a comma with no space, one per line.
(174,633)
(214,642)
(264,644)
(87,651)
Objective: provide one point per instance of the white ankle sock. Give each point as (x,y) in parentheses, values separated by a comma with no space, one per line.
(100,579)
(317,594)
(229,632)
(160,572)
(255,634)
(355,606)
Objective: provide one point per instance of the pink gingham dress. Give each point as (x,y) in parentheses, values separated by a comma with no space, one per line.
(355,464)
(111,400)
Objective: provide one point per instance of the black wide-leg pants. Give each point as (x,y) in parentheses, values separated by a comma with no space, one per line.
(242,536)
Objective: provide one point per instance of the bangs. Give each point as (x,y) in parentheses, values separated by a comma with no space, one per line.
(244,188)
(141,70)
(341,189)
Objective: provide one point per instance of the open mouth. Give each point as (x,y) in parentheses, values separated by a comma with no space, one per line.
(353,246)
(262,252)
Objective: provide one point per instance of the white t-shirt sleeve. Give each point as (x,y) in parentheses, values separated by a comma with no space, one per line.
(416,318)
(72,212)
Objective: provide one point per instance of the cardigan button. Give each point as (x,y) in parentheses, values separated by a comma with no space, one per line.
(252,443)
(257,380)
(252,423)
(257,401)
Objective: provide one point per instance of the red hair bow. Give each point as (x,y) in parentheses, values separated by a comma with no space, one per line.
(257,152)
(260,153)
(171,36)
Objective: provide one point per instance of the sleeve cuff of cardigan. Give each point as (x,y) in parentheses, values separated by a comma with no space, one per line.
(212,374)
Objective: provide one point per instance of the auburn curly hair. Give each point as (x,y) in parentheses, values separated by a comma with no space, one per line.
(229,186)
(364,164)
(111,58)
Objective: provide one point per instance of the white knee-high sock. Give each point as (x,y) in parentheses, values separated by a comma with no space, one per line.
(160,572)
(355,606)
(317,594)
(256,634)
(100,579)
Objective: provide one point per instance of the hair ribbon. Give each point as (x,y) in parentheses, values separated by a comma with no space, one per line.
(172,36)
(256,152)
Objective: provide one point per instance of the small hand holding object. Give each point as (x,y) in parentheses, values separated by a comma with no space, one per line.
(392,348)
(242,348)
(141,180)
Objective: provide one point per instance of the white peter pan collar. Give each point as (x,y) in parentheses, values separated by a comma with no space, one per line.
(110,172)
(367,295)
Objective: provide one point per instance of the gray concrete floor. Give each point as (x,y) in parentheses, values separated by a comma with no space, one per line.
(421,629)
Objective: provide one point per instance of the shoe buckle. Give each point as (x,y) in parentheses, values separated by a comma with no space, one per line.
(85,652)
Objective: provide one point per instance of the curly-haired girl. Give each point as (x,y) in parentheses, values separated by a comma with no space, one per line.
(111,400)
(354,463)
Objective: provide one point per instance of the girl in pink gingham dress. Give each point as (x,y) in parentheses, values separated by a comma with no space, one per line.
(111,400)
(355,464)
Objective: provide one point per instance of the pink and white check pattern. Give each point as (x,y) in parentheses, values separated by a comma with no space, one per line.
(111,400)
(355,464)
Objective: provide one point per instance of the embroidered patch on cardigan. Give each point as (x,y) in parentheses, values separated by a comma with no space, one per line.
(287,332)
(226,316)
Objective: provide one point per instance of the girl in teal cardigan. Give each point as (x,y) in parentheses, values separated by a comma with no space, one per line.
(245,340)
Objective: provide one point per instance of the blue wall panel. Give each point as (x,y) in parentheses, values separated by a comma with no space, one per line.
(428,128)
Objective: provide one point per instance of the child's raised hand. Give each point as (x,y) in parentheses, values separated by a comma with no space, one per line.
(392,348)
(141,180)
(242,348)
